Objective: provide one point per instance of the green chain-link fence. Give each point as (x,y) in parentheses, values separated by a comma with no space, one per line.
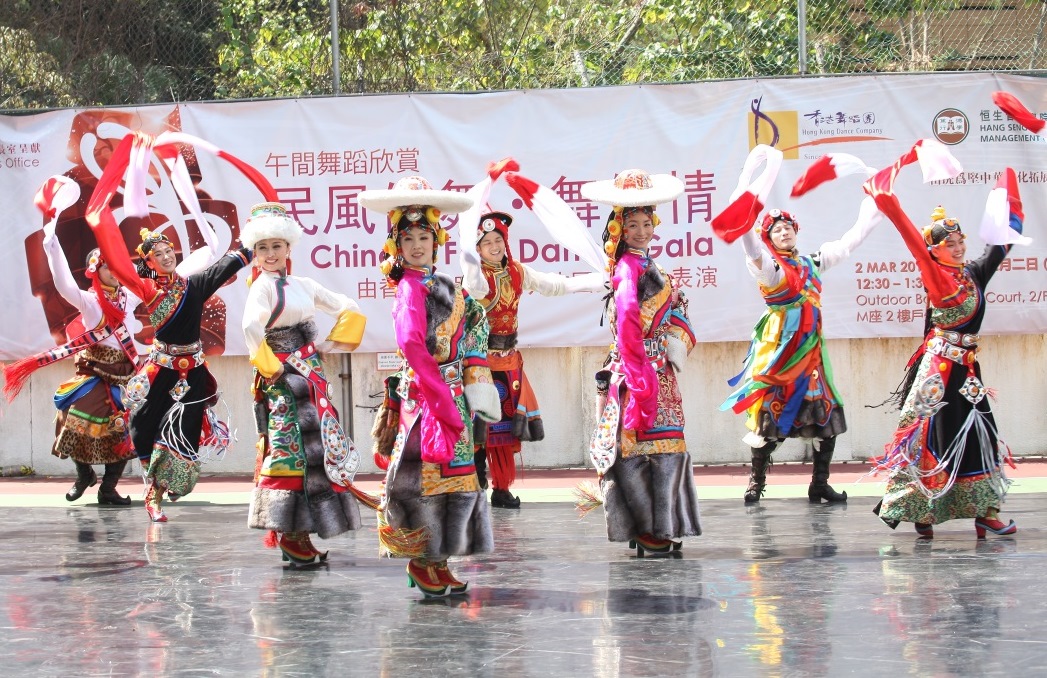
(118,52)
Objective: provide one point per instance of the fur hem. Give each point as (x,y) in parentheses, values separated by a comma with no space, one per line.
(651,494)
(676,352)
(458,523)
(288,511)
(483,399)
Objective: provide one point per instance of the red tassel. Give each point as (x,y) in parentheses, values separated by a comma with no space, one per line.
(501,462)
(381,461)
(16,374)
(113,315)
(271,539)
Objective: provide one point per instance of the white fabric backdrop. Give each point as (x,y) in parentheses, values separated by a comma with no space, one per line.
(319,153)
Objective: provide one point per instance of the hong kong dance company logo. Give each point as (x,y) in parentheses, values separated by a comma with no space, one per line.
(779,129)
(950,126)
(821,125)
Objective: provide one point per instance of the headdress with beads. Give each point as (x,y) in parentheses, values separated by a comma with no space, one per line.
(149,240)
(270,220)
(411,202)
(92,263)
(632,190)
(940,227)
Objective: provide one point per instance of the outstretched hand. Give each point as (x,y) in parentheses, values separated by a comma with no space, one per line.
(506,164)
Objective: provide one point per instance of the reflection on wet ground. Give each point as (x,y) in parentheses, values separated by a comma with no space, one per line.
(783,588)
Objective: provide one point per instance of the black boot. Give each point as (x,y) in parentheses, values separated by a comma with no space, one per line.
(85,478)
(761,459)
(819,488)
(107,494)
(504,499)
(480,459)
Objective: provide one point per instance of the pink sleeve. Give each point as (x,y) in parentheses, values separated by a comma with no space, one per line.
(640,376)
(441,423)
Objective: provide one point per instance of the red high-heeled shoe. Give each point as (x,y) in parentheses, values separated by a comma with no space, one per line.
(153,495)
(646,543)
(422,574)
(444,574)
(981,525)
(925,530)
(297,550)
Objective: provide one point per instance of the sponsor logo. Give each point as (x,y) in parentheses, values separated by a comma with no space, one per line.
(950,126)
(782,129)
(779,129)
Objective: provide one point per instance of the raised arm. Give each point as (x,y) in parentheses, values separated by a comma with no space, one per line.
(936,162)
(84,302)
(835,251)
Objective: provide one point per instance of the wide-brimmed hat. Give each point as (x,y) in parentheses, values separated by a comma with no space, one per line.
(414,191)
(269,220)
(634,188)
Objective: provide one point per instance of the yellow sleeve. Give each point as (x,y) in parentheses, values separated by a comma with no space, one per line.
(265,361)
(348,331)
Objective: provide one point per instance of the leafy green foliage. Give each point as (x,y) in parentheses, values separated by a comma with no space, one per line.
(58,53)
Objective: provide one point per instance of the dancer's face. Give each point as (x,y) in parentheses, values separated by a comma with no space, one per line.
(417,246)
(162,258)
(492,247)
(271,254)
(106,276)
(952,250)
(638,230)
(783,236)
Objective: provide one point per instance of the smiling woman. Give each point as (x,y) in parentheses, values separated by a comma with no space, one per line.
(638,447)
(299,436)
(433,506)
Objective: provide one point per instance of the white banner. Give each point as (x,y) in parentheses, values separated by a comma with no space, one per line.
(320,153)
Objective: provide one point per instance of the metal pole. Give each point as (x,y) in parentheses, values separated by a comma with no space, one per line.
(336,52)
(801,32)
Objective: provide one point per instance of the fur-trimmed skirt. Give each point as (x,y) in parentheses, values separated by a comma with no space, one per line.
(292,491)
(651,494)
(457,523)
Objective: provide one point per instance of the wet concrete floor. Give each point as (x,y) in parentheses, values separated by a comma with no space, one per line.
(782,589)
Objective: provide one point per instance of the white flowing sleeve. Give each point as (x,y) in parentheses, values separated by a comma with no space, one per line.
(761,266)
(330,302)
(84,302)
(555,285)
(545,284)
(473,280)
(257,309)
(832,253)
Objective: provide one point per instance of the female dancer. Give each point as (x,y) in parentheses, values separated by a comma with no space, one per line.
(945,458)
(787,388)
(433,505)
(297,425)
(638,447)
(492,276)
(173,391)
(89,427)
